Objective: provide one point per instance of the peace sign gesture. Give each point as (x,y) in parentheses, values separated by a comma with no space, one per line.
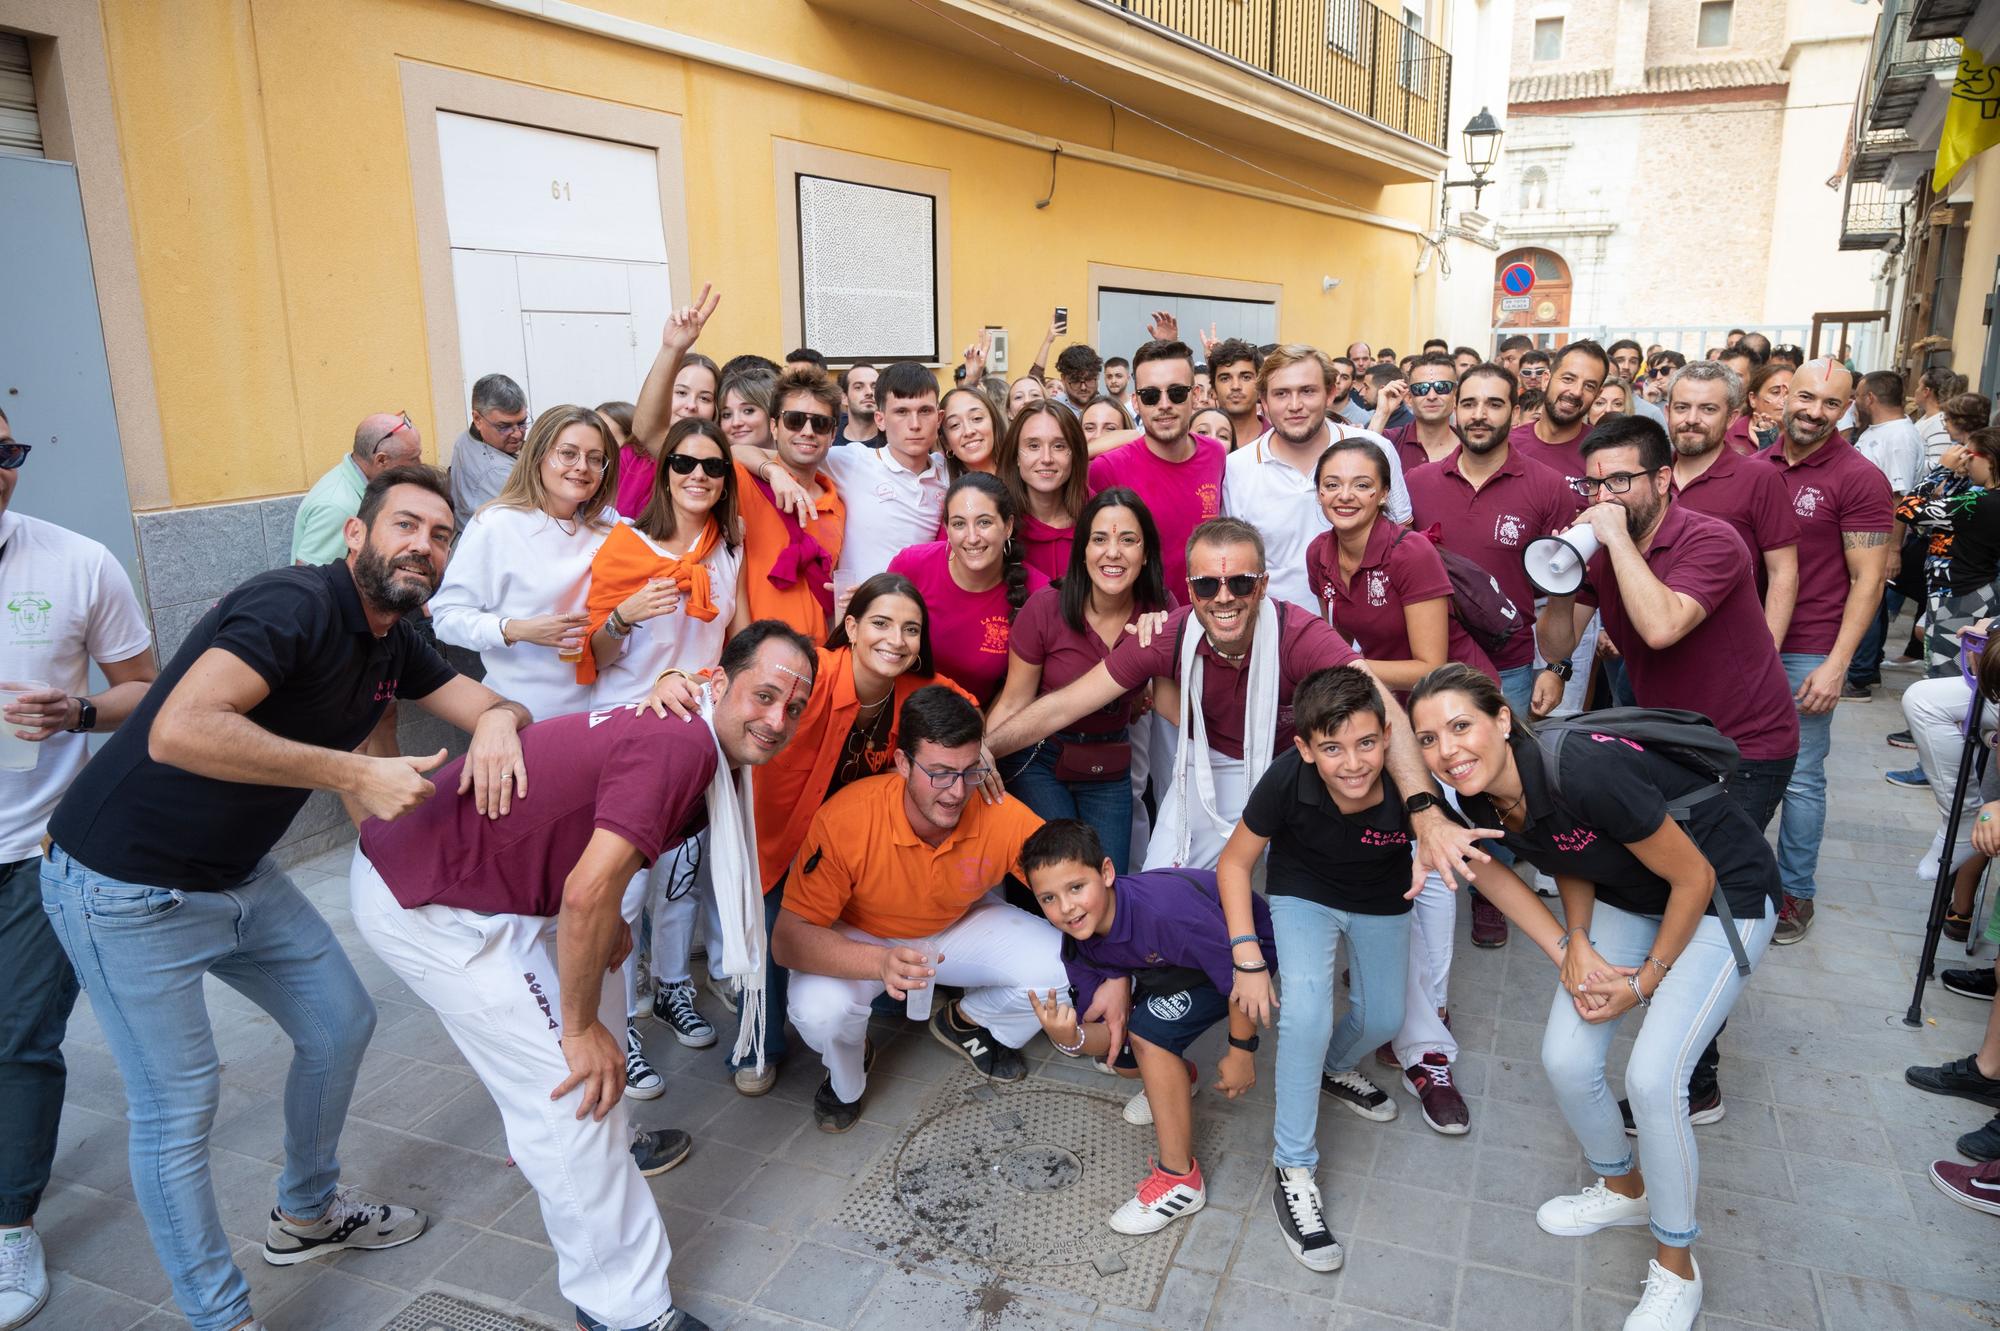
(977,355)
(685,324)
(1058,1018)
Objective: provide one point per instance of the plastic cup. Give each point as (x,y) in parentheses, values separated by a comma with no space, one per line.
(844,583)
(17,755)
(917,1004)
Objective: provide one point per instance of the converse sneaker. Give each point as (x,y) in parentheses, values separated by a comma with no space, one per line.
(976,1044)
(1358,1093)
(1961,1076)
(1670,1302)
(658,1151)
(348,1223)
(1162,1199)
(727,992)
(1302,1220)
(641,1082)
(673,1319)
(24,1275)
(1586,1212)
(674,1004)
(1704,1107)
(1444,1108)
(1977,1186)
(1795,917)
(1139,1110)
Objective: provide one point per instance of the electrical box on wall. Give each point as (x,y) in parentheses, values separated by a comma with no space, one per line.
(997,361)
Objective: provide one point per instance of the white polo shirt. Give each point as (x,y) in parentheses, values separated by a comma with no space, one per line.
(889,507)
(64,602)
(1282,503)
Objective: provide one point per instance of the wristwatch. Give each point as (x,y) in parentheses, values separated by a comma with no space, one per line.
(1420,801)
(1562,670)
(86,717)
(1248,1046)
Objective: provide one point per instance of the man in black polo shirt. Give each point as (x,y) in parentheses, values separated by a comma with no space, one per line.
(158,876)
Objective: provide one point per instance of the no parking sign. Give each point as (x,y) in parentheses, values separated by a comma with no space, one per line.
(1517,279)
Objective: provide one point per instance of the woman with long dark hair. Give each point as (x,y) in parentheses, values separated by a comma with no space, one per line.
(1041,462)
(968,431)
(1060,635)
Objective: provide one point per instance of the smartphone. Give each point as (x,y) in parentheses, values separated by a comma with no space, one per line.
(1062,318)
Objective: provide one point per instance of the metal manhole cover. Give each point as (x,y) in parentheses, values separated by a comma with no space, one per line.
(1022,1178)
(442,1312)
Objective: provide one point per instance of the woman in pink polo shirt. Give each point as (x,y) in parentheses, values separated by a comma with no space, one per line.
(973,582)
(1041,462)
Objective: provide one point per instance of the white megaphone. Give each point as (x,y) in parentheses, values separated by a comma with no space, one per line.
(1555,563)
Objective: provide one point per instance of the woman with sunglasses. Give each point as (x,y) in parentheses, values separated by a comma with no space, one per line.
(973,582)
(967,431)
(1041,462)
(789,564)
(1639,932)
(680,383)
(1112,580)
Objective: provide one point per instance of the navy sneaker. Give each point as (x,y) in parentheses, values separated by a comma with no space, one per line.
(657,1151)
(977,1045)
(1909,776)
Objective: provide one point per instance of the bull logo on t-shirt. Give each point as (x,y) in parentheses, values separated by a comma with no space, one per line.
(993,631)
(1378,587)
(1807,503)
(1507,529)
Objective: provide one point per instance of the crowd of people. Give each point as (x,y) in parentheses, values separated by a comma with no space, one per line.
(1111,703)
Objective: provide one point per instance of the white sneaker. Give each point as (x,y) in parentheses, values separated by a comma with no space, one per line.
(1669,1303)
(727,992)
(1139,1110)
(1586,1212)
(1162,1199)
(348,1223)
(24,1276)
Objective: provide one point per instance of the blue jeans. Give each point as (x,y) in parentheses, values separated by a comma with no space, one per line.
(1803,819)
(1866,667)
(141,954)
(1687,1010)
(777,986)
(1378,964)
(1105,805)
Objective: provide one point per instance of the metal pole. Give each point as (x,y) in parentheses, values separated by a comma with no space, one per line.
(1941,891)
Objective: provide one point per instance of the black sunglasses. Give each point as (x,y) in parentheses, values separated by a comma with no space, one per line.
(685,463)
(12,454)
(1176,394)
(799,420)
(1240,584)
(1442,387)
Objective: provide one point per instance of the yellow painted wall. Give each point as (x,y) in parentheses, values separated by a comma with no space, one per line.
(270,193)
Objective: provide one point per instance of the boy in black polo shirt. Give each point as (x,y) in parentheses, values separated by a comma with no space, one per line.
(1339,865)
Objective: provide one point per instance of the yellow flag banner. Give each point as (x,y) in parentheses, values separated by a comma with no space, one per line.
(1972,123)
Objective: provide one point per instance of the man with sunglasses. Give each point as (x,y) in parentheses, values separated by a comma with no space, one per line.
(894,890)
(794,518)
(1429,435)
(483,456)
(1177,473)
(381,441)
(64,603)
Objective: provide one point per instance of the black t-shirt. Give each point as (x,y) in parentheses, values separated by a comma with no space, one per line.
(303,630)
(1975,540)
(1614,794)
(1356,862)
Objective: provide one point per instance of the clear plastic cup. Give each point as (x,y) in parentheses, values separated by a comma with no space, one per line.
(17,755)
(917,1004)
(844,583)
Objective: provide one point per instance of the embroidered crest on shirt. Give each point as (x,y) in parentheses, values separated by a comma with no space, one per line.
(1807,503)
(28,615)
(1507,529)
(1378,587)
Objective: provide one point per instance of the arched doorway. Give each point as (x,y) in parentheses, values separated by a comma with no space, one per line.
(1547,306)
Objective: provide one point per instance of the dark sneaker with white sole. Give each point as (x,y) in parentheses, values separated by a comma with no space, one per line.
(1795,918)
(830,1112)
(1302,1219)
(1982,1144)
(1977,1186)
(659,1150)
(1359,1094)
(349,1223)
(977,1045)
(1980,983)
(1704,1107)
(674,1004)
(673,1319)
(1960,1077)
(1444,1108)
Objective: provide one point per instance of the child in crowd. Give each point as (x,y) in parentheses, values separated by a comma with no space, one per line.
(1164,931)
(1339,866)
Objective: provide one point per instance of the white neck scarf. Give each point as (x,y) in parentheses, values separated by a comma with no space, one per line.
(1260,722)
(735,880)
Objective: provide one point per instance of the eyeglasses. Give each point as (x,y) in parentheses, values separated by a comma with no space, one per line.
(404,424)
(12,455)
(683,464)
(505,427)
(1240,584)
(1618,482)
(945,778)
(799,421)
(1176,394)
(567,457)
(1442,387)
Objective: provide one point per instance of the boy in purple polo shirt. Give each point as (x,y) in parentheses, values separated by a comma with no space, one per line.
(1165,932)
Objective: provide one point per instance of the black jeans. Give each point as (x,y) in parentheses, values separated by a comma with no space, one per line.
(31,1035)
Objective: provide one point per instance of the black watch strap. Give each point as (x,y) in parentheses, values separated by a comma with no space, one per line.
(86,717)
(1248,1046)
(1420,801)
(1562,670)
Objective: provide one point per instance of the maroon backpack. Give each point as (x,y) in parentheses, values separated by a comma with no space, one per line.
(1487,612)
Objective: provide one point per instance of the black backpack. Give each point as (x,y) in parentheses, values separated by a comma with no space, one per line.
(1688,739)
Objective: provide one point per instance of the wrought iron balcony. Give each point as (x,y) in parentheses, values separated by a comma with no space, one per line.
(1872,216)
(1346,52)
(1903,67)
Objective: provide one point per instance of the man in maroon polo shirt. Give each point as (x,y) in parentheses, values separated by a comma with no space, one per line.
(1488,503)
(1702,399)
(1845,512)
(1555,437)
(1433,394)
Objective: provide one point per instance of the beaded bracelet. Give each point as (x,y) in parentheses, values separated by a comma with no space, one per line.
(1242,938)
(1070,1049)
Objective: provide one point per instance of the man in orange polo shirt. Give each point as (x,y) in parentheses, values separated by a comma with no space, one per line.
(788,567)
(894,890)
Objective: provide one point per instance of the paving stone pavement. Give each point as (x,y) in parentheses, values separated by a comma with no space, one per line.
(1816,1209)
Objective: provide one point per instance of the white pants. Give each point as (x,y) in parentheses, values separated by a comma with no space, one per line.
(492,981)
(1206,835)
(1581,661)
(674,891)
(1142,737)
(996,953)
(1935,710)
(1433,916)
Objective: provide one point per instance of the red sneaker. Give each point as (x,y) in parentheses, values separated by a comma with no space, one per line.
(1444,1108)
(1977,1186)
(1489,926)
(1386,1056)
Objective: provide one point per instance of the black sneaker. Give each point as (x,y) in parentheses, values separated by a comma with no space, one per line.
(1302,1219)
(1959,1077)
(1902,739)
(1982,1144)
(977,1044)
(658,1151)
(1971,983)
(832,1113)
(1358,1093)
(673,1319)
(1704,1106)
(1855,693)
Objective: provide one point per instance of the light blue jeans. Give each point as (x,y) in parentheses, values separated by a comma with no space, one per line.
(1378,965)
(1688,1009)
(1803,819)
(141,954)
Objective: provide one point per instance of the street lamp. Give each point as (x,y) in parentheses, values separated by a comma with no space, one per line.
(1482,149)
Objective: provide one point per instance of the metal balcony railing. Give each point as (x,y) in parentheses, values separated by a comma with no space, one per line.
(1872,216)
(1903,66)
(1346,52)
(1875,148)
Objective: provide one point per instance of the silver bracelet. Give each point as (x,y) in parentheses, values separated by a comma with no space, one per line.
(1070,1049)
(1644,1001)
